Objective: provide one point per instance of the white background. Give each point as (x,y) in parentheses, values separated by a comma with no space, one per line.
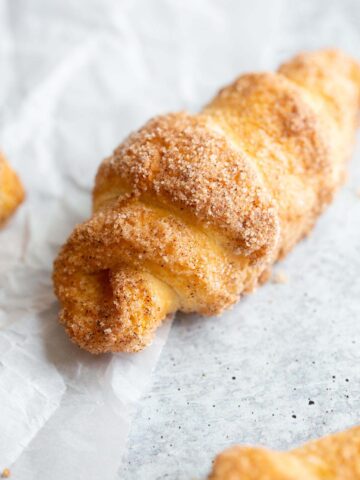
(75,78)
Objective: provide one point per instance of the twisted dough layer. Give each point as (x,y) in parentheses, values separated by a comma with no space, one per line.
(336,457)
(11,191)
(191,211)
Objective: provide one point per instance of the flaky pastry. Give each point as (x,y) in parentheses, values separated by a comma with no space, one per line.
(336,457)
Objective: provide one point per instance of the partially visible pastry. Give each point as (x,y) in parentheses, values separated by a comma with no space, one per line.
(11,190)
(335,457)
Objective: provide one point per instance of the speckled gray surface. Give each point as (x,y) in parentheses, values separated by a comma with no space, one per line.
(249,375)
(92,71)
(283,366)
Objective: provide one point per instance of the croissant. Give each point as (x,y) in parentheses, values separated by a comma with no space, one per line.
(191,211)
(11,190)
(335,457)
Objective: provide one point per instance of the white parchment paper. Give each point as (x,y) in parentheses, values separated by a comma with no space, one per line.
(75,78)
(71,87)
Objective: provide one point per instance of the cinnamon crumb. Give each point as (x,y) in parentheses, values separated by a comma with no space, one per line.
(280,277)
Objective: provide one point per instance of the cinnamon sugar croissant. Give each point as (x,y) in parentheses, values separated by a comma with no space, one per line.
(336,457)
(192,210)
(11,190)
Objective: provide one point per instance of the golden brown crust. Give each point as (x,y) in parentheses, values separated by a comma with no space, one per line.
(193,272)
(336,457)
(182,161)
(191,211)
(268,118)
(334,98)
(11,190)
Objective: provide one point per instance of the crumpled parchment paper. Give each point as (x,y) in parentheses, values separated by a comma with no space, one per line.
(75,78)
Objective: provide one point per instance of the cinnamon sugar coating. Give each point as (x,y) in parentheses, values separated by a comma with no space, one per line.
(11,190)
(336,457)
(192,211)
(184,162)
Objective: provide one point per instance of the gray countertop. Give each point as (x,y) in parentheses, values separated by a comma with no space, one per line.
(280,368)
